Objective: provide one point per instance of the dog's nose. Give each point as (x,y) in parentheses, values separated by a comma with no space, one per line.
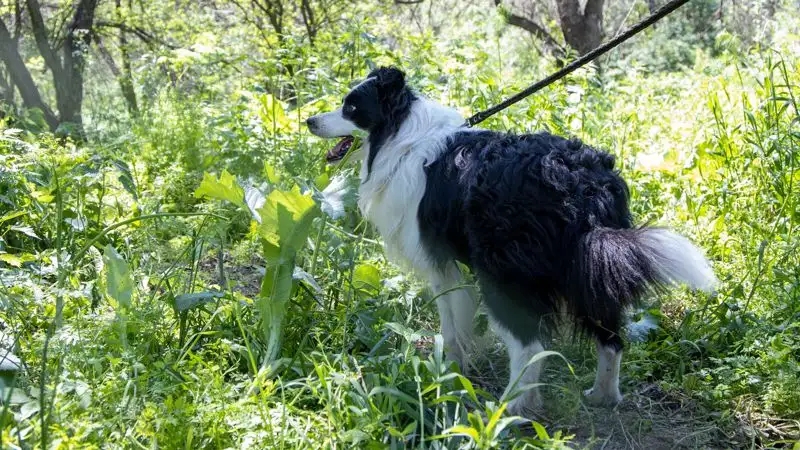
(311,122)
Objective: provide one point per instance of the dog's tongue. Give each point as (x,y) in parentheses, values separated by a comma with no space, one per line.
(340,149)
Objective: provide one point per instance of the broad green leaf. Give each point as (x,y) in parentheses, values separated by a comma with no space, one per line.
(476,420)
(495,417)
(119,282)
(186,302)
(276,290)
(286,218)
(254,200)
(277,284)
(468,387)
(408,334)
(27,231)
(541,433)
(125,177)
(394,392)
(294,235)
(12,215)
(272,111)
(405,432)
(11,260)
(444,398)
(42,196)
(271,252)
(367,277)
(462,430)
(9,362)
(18,396)
(338,194)
(224,188)
(301,275)
(77,224)
(502,424)
(272,176)
(281,214)
(322,180)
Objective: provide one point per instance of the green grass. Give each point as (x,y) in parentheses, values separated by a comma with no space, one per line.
(148,314)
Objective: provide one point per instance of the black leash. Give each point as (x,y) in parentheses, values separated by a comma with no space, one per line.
(580,62)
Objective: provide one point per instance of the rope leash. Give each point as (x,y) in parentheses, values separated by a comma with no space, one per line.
(580,62)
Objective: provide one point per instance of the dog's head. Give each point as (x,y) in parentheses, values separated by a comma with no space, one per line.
(377,107)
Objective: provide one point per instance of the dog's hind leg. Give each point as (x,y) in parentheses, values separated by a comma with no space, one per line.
(606,384)
(513,317)
(522,377)
(605,390)
(604,325)
(457,305)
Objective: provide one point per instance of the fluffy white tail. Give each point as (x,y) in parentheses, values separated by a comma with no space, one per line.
(677,260)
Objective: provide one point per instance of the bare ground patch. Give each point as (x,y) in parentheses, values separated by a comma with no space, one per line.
(648,418)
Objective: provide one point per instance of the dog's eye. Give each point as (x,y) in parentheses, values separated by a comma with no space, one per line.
(349,108)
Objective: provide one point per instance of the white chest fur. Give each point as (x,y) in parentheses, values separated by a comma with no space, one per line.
(390,197)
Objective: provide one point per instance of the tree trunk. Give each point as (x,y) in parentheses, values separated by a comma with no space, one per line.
(68,70)
(21,77)
(6,94)
(126,82)
(307,13)
(79,36)
(123,77)
(582,28)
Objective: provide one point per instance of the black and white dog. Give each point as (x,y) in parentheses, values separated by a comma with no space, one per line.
(542,221)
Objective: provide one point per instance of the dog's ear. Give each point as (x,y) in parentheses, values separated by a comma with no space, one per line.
(389,78)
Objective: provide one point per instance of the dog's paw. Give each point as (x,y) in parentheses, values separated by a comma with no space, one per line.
(526,405)
(600,398)
(461,358)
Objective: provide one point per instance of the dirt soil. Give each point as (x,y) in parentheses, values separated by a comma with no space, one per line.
(648,417)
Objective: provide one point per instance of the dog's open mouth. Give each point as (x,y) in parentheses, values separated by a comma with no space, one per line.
(340,149)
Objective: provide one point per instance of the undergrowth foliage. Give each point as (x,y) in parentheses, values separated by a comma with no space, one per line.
(197,278)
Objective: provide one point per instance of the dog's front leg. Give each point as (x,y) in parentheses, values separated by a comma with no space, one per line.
(457,305)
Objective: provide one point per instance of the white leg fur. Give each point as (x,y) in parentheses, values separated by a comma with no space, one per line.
(606,384)
(519,355)
(456,312)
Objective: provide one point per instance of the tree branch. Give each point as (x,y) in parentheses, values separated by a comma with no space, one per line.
(106,55)
(143,35)
(274,13)
(255,22)
(21,77)
(17,21)
(126,82)
(7,93)
(307,13)
(123,77)
(535,29)
(42,41)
